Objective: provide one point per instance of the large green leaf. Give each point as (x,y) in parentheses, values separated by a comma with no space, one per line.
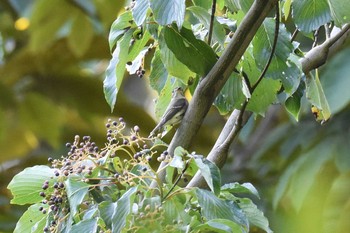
(204,17)
(76,191)
(194,53)
(106,212)
(230,96)
(279,67)
(215,208)
(86,226)
(139,11)
(237,188)
(210,173)
(263,96)
(159,74)
(32,220)
(310,15)
(116,68)
(340,11)
(26,185)
(173,66)
(167,12)
(122,210)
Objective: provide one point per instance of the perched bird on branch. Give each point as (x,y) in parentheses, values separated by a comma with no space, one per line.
(174,112)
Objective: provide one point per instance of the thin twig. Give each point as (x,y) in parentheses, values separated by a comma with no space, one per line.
(211,26)
(294,35)
(176,181)
(315,38)
(274,45)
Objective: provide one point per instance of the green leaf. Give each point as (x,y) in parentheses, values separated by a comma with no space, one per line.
(220,226)
(173,65)
(202,3)
(115,70)
(293,183)
(32,220)
(240,188)
(138,45)
(293,102)
(215,208)
(210,172)
(177,160)
(137,63)
(263,96)
(139,11)
(340,11)
(166,12)
(316,96)
(81,34)
(26,185)
(194,53)
(263,44)
(118,28)
(106,212)
(76,192)
(86,226)
(123,209)
(204,17)
(287,6)
(335,81)
(233,5)
(255,216)
(159,74)
(310,15)
(174,209)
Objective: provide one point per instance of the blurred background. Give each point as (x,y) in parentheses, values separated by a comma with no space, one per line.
(53,55)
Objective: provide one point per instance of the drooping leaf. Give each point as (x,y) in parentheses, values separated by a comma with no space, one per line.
(194,53)
(86,226)
(159,74)
(116,68)
(293,103)
(76,191)
(316,96)
(310,15)
(215,208)
(139,11)
(106,212)
(122,210)
(210,173)
(26,185)
(118,28)
(167,12)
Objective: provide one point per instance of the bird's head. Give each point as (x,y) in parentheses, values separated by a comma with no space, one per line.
(178,91)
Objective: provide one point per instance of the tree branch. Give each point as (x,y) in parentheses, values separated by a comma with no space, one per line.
(213,9)
(219,153)
(209,87)
(317,56)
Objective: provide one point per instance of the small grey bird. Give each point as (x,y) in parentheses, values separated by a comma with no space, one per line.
(174,112)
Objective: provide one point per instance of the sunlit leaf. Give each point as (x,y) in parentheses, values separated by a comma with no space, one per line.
(76,191)
(210,173)
(32,219)
(167,12)
(340,11)
(139,11)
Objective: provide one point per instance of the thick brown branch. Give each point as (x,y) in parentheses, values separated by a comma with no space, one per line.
(317,56)
(209,87)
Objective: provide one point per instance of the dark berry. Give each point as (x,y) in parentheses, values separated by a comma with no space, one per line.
(68,145)
(61,185)
(125,142)
(44,211)
(50,160)
(121,119)
(115,123)
(45,186)
(108,125)
(41,208)
(42,194)
(133,137)
(86,138)
(129,63)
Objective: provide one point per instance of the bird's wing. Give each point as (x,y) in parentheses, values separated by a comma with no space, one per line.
(170,112)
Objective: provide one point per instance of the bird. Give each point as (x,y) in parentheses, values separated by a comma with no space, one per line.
(174,112)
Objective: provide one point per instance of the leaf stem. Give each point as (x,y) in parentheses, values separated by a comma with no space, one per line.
(211,26)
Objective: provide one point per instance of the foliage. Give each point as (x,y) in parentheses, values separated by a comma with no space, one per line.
(108,190)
